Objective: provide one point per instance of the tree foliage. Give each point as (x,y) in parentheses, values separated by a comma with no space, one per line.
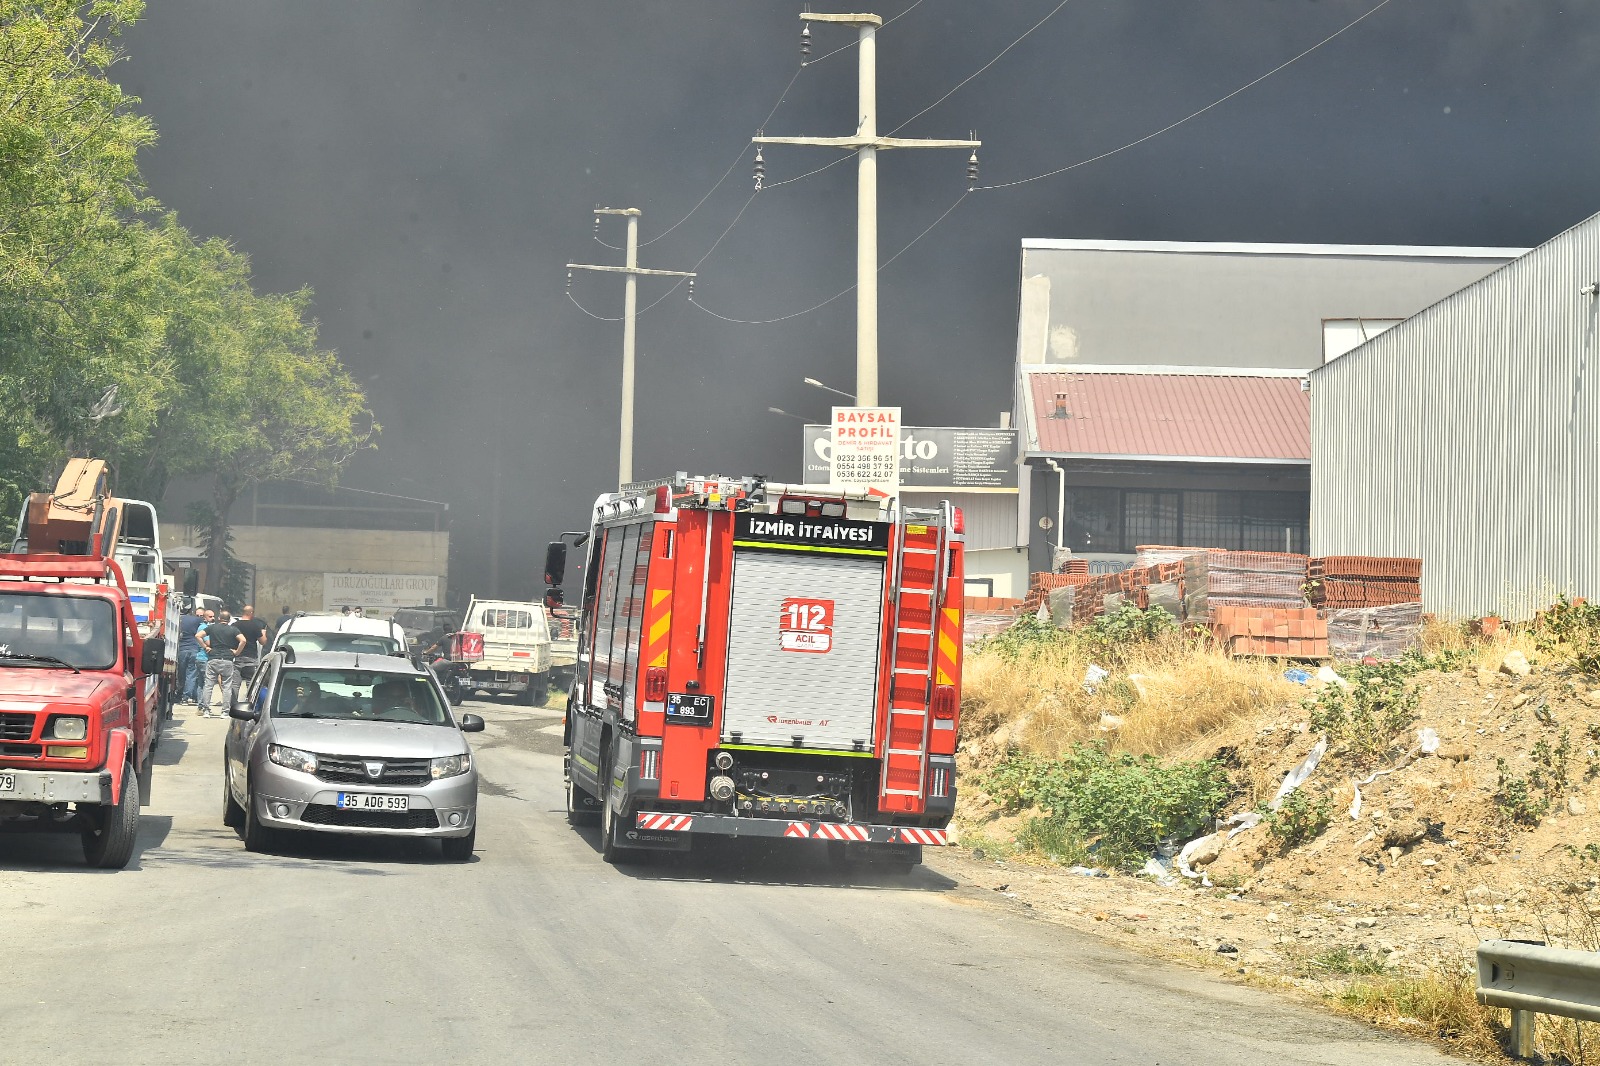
(100,288)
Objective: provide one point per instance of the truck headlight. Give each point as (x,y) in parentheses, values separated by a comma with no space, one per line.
(68,727)
(292,758)
(451,766)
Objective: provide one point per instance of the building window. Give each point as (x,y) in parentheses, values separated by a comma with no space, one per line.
(1093,520)
(1117,521)
(1151,517)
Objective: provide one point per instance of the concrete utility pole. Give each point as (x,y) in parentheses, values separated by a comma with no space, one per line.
(630,306)
(865,144)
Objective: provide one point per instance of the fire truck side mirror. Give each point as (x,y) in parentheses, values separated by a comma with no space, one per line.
(154,656)
(555,563)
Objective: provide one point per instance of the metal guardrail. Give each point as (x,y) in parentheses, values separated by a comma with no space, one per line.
(1534,979)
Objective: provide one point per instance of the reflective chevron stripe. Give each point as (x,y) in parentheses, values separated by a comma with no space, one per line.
(931,837)
(667,823)
(837,831)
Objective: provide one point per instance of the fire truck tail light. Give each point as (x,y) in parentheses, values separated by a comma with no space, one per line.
(944,702)
(649,764)
(655,684)
(958,520)
(663,499)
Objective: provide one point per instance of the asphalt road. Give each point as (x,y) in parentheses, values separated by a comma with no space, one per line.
(341,951)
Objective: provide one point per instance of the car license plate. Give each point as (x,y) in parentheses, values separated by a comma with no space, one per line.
(8,782)
(372,801)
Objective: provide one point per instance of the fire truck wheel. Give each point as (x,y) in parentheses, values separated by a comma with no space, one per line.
(257,837)
(610,850)
(232,813)
(110,845)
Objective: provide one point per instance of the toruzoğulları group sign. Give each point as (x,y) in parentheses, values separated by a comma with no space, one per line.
(382,591)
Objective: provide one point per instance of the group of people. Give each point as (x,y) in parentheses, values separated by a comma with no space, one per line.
(215,649)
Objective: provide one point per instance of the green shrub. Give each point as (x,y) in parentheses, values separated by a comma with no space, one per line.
(1109,638)
(1123,805)
(1344,960)
(1298,819)
(1379,705)
(1518,798)
(1055,841)
(1571,630)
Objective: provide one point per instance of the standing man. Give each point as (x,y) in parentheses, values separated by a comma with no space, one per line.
(284,614)
(188,650)
(255,643)
(223,643)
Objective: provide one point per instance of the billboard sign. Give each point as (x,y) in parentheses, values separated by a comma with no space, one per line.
(933,458)
(382,592)
(866,449)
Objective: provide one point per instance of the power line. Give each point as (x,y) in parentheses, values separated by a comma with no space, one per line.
(838,295)
(1186,118)
(852,44)
(981,69)
(743,149)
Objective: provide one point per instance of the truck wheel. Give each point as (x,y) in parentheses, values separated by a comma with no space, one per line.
(110,846)
(610,850)
(257,837)
(538,690)
(232,813)
(459,849)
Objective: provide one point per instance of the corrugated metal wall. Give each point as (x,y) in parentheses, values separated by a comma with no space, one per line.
(1469,435)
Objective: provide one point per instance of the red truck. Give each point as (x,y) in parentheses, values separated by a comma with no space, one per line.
(81,693)
(761,660)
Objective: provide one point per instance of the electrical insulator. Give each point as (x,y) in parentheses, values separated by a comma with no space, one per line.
(569,282)
(805,43)
(597,225)
(761,171)
(972,170)
(691,290)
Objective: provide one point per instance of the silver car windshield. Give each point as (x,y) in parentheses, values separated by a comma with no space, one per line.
(358,695)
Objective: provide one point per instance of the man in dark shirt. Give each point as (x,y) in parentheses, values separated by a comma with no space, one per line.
(255,642)
(188,656)
(277,623)
(222,642)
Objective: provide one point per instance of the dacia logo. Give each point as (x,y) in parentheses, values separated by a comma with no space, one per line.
(374,770)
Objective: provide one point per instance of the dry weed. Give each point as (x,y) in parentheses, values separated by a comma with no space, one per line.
(1440,1005)
(1169,693)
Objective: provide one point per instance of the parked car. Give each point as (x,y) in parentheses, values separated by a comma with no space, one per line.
(334,742)
(419,622)
(338,632)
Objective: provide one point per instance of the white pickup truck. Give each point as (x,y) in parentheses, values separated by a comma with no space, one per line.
(516,649)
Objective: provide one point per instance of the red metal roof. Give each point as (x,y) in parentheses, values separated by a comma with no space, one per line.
(1186,417)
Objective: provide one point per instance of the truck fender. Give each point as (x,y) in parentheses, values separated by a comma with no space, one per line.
(117,747)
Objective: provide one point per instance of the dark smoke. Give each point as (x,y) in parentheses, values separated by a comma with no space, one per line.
(428,167)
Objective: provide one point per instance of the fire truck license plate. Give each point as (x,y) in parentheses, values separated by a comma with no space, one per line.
(372,801)
(690,709)
(8,782)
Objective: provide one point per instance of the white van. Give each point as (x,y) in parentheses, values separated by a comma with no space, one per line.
(516,649)
(338,632)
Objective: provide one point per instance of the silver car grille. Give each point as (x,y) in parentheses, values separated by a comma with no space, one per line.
(352,770)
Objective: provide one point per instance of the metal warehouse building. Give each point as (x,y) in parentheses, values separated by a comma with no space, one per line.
(1469,435)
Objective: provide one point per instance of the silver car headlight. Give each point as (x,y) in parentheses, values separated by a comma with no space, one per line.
(292,758)
(451,766)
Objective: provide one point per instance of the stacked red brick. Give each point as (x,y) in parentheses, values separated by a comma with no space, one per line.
(1042,584)
(1349,582)
(1275,632)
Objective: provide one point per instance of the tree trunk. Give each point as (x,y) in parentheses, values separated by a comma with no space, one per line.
(223,496)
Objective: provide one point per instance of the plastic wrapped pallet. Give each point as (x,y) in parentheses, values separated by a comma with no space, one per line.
(1156,554)
(1062,601)
(1168,596)
(1243,579)
(1374,632)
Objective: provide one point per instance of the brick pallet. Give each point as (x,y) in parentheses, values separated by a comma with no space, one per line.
(1279,633)
(1243,579)
(1350,582)
(1374,632)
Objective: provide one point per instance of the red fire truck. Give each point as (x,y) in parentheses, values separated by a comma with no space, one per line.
(81,689)
(762,660)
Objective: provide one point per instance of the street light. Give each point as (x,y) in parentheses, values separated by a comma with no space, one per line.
(814,383)
(787,414)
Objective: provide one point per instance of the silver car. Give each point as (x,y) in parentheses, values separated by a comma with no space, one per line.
(333,742)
